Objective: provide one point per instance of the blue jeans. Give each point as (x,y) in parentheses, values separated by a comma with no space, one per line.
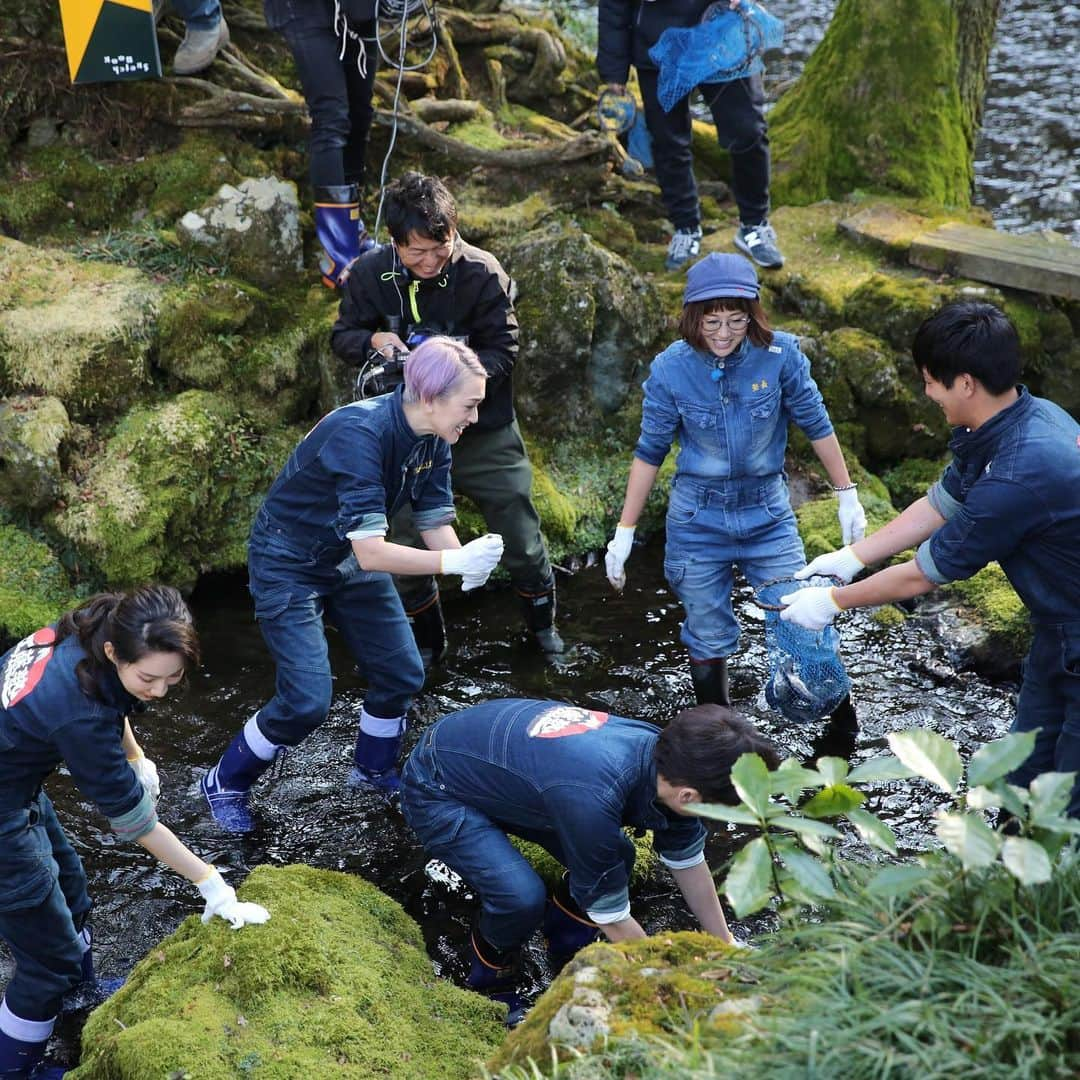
(43,904)
(512,895)
(711,528)
(292,596)
(1050,700)
(199,14)
(338,96)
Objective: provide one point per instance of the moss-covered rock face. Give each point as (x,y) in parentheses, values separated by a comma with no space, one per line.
(337,983)
(630,990)
(34,589)
(31,431)
(173,491)
(80,332)
(998,626)
(586,316)
(819,525)
(910,480)
(551,870)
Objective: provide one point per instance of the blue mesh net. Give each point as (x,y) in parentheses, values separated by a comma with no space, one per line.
(807,679)
(725,45)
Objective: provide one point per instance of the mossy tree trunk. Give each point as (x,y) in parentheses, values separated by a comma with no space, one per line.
(890,100)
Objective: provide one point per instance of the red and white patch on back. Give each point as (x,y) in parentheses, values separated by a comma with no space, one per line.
(25,666)
(562,720)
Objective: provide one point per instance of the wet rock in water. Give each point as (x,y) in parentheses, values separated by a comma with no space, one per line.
(337,983)
(31,430)
(77,331)
(255,226)
(628,990)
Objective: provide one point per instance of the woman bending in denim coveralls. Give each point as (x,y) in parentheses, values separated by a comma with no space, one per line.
(318,549)
(65,693)
(726,391)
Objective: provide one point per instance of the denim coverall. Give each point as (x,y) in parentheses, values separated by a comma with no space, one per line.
(46,719)
(1012,494)
(356,467)
(566,778)
(729,501)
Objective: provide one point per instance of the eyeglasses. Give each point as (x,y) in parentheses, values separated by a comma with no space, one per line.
(736,324)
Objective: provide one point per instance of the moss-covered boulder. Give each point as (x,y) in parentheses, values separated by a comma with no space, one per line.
(911,479)
(337,983)
(819,525)
(587,317)
(630,990)
(31,431)
(34,588)
(78,331)
(172,492)
(551,870)
(986,626)
(863,379)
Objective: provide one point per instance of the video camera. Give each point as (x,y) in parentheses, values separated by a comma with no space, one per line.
(382,375)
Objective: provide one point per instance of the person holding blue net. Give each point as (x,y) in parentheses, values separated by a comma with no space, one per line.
(726,391)
(716,47)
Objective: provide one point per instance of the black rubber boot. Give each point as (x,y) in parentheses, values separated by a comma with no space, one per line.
(710,679)
(429,630)
(837,739)
(539,611)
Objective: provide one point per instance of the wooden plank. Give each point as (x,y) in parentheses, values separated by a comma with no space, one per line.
(1018,262)
(884,227)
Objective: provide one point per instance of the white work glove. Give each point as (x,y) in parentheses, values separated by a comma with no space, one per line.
(221,900)
(146,773)
(852,516)
(812,608)
(475,561)
(844,564)
(618,551)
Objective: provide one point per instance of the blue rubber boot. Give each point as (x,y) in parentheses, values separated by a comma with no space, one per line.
(227,784)
(378,743)
(340,231)
(91,991)
(494,973)
(21,1058)
(566,927)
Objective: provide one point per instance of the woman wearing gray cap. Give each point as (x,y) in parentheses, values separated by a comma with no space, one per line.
(726,391)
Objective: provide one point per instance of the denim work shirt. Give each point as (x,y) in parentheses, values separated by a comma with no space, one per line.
(46,718)
(735,425)
(580,774)
(354,470)
(1012,494)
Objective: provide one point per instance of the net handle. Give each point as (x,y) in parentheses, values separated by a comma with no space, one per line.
(612,99)
(784,580)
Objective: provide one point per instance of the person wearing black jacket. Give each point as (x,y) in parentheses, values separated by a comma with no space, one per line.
(426,281)
(627,30)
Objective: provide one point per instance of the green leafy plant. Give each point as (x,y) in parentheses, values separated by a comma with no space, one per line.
(794,856)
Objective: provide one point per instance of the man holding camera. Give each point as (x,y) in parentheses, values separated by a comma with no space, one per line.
(427,281)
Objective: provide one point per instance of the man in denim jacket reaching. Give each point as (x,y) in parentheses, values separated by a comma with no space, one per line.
(569,779)
(1010,494)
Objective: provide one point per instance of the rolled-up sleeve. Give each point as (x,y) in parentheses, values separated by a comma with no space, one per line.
(660,419)
(987,527)
(353,456)
(434,505)
(682,845)
(943,496)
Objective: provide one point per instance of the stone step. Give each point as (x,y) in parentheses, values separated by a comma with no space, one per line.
(1035,263)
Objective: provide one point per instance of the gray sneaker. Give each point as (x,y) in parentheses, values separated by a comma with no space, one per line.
(759,242)
(685,244)
(199,48)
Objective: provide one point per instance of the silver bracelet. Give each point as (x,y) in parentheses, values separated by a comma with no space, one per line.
(844,487)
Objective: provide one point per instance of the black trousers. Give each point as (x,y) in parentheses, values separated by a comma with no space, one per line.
(338,96)
(738,112)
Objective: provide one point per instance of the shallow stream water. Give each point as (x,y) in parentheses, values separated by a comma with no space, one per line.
(626,659)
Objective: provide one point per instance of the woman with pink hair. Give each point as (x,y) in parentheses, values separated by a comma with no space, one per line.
(318,550)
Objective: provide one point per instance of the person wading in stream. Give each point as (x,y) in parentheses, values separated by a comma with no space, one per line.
(569,779)
(428,280)
(727,391)
(318,548)
(65,694)
(1012,495)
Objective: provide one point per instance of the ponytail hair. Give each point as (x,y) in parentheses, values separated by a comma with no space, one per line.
(149,619)
(436,367)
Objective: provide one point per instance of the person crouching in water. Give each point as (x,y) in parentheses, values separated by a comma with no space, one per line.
(569,779)
(65,694)
(726,392)
(318,550)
